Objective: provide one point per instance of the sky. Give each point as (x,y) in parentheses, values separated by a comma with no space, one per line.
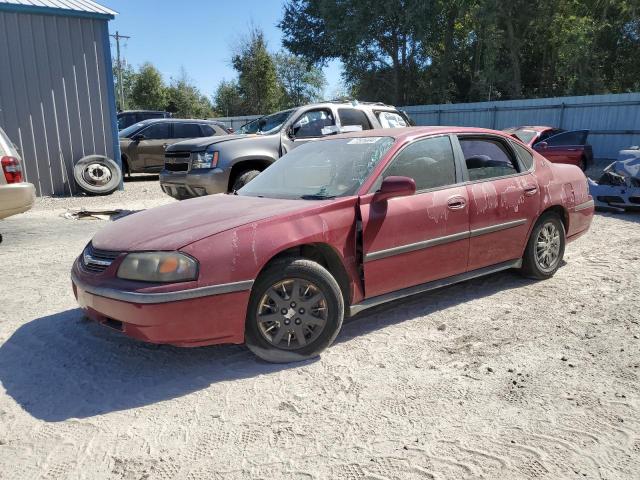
(198,35)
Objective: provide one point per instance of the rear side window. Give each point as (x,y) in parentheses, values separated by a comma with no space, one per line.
(525,156)
(156,131)
(391,120)
(487,158)
(353,117)
(186,130)
(429,162)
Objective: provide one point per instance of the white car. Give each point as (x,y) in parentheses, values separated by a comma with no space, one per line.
(16,196)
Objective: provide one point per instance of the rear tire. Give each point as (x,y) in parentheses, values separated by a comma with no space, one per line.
(243,178)
(545,248)
(295,312)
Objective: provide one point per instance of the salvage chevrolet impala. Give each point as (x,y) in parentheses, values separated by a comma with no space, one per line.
(334,227)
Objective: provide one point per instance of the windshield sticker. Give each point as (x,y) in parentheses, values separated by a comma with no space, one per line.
(363,140)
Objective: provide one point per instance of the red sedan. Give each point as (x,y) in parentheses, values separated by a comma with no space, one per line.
(557,145)
(336,226)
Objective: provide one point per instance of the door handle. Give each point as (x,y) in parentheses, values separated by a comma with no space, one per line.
(456,203)
(530,190)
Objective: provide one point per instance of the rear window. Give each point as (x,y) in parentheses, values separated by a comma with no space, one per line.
(525,136)
(391,120)
(353,117)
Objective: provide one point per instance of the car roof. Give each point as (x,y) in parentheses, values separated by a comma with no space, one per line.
(150,121)
(537,128)
(409,133)
(141,111)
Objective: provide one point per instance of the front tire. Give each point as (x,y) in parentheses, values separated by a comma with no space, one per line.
(295,312)
(243,178)
(545,248)
(97,175)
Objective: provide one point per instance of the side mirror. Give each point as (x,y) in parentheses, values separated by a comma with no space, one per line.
(137,137)
(395,187)
(541,146)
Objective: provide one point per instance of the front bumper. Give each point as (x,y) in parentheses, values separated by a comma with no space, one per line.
(194,183)
(186,318)
(16,198)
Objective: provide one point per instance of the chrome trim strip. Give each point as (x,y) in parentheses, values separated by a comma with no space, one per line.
(425,287)
(412,247)
(584,206)
(496,228)
(389,252)
(165,297)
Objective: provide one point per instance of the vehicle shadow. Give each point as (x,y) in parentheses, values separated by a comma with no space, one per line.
(628,216)
(63,366)
(141,177)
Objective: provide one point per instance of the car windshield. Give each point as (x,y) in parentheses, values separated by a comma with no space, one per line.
(130,130)
(321,170)
(268,124)
(522,134)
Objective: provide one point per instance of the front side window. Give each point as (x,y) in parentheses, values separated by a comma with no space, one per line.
(312,123)
(430,162)
(353,117)
(391,120)
(156,131)
(321,170)
(487,158)
(186,130)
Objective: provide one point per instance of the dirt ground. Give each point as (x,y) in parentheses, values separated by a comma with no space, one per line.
(496,378)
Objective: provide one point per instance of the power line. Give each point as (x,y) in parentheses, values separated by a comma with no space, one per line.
(118,37)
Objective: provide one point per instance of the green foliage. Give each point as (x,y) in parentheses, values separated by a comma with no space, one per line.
(437,51)
(228,99)
(300,81)
(184,99)
(148,90)
(257,80)
(128,79)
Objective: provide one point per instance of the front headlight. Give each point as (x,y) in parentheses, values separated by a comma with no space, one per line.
(208,159)
(158,267)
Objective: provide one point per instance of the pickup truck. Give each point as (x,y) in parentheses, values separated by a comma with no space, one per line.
(557,145)
(222,164)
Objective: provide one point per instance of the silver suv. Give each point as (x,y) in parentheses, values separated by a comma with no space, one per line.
(224,164)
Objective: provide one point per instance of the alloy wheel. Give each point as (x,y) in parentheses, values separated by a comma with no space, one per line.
(548,247)
(292,313)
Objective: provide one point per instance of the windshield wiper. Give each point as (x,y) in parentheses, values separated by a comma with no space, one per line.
(317,197)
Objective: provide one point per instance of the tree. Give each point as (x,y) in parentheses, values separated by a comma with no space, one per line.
(301,81)
(228,100)
(129,77)
(257,79)
(184,100)
(148,91)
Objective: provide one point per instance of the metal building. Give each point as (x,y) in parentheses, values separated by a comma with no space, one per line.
(57,101)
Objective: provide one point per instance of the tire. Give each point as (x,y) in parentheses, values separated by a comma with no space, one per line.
(126,170)
(243,178)
(97,175)
(534,262)
(274,317)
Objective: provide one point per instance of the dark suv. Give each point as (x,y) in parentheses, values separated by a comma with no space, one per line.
(129,117)
(143,144)
(218,165)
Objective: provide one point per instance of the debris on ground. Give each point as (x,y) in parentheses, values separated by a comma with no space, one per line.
(619,186)
(82,214)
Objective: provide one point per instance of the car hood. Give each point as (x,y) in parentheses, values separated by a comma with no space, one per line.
(176,225)
(199,144)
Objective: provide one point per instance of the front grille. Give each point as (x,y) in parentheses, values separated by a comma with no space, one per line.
(176,167)
(177,154)
(97,261)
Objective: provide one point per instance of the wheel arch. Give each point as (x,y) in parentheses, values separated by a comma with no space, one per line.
(323,254)
(247,164)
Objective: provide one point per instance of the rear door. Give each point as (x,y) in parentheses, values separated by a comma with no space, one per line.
(504,200)
(412,240)
(565,147)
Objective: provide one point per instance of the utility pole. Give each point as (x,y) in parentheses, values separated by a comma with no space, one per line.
(119,37)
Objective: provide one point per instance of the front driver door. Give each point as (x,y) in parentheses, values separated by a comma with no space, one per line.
(308,126)
(151,148)
(412,240)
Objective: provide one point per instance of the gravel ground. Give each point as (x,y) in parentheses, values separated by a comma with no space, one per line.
(497,378)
